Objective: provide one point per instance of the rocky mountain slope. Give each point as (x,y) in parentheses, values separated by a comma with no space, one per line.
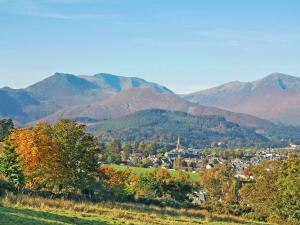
(275,97)
(134,100)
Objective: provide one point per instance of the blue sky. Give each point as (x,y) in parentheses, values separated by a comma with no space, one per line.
(186,45)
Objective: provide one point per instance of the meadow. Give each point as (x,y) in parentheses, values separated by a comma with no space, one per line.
(140,170)
(26,210)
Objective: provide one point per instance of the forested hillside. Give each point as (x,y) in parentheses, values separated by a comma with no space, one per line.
(166,126)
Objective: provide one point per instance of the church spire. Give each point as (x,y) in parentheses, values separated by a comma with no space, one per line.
(178,147)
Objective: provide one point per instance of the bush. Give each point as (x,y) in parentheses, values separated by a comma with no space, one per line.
(161,185)
(114,184)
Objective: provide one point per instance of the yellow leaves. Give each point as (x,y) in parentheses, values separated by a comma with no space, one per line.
(39,153)
(114,177)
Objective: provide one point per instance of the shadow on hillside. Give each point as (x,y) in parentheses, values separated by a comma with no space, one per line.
(159,211)
(190,214)
(233,220)
(12,216)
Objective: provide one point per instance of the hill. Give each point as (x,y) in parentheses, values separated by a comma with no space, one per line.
(133,100)
(162,125)
(275,97)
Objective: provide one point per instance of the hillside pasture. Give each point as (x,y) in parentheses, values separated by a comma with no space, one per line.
(22,209)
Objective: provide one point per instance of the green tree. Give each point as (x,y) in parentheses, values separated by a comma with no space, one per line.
(79,152)
(275,194)
(114,151)
(288,206)
(6,125)
(10,166)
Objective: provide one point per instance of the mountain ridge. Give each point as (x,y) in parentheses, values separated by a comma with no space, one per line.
(275,97)
(63,90)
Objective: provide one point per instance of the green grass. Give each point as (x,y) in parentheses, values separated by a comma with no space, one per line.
(141,170)
(27,210)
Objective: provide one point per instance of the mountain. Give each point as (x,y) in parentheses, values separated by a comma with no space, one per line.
(67,89)
(64,90)
(275,97)
(161,125)
(133,100)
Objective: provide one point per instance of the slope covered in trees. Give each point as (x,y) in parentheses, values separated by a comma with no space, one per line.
(166,126)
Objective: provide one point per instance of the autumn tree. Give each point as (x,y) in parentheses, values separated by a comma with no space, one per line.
(40,154)
(221,187)
(115,182)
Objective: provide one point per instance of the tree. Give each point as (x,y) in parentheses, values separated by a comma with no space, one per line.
(114,151)
(221,187)
(10,166)
(115,182)
(6,125)
(79,154)
(161,185)
(179,187)
(289,204)
(275,194)
(40,154)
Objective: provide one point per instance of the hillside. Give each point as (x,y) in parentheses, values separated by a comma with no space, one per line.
(275,97)
(134,100)
(39,211)
(64,90)
(162,125)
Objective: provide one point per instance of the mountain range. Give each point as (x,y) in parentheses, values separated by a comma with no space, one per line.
(62,91)
(275,97)
(92,98)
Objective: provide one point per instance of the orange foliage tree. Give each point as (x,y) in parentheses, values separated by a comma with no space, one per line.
(115,182)
(40,155)
(221,187)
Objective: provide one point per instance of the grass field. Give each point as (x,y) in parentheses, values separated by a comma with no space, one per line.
(26,210)
(140,170)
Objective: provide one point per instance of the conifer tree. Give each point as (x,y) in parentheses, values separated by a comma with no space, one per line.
(10,166)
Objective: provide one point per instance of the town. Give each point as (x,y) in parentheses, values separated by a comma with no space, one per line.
(196,160)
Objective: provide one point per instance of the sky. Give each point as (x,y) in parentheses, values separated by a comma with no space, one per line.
(186,45)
